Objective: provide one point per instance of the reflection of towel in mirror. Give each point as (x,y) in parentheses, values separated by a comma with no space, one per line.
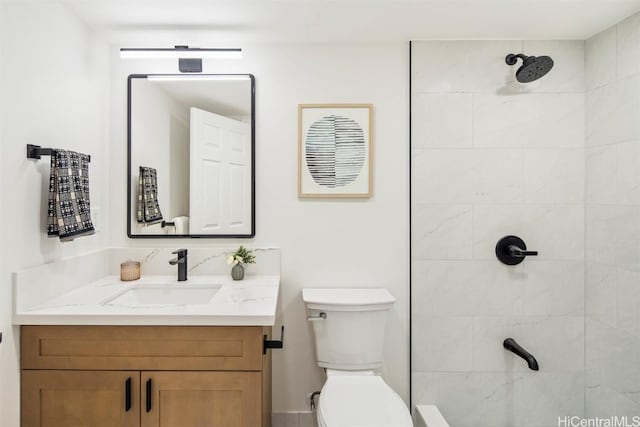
(148,207)
(68,210)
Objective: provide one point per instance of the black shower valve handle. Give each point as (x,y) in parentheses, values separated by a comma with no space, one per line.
(512,250)
(516,251)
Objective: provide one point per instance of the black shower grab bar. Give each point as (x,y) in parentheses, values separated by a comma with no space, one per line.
(36,151)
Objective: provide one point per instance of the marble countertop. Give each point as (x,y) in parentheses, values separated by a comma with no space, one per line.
(250,302)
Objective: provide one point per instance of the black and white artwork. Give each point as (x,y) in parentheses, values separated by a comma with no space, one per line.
(335,151)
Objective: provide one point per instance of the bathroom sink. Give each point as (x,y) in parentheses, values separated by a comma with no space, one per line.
(154,295)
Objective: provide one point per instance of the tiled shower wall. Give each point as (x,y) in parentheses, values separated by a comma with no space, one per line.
(491,157)
(613,221)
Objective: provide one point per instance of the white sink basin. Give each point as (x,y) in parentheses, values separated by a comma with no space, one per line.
(155,295)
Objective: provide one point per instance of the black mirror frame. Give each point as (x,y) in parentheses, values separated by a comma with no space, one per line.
(253,167)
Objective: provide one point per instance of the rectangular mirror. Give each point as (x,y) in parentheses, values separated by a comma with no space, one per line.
(191,156)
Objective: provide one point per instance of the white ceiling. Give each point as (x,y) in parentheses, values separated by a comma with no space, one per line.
(230,98)
(215,22)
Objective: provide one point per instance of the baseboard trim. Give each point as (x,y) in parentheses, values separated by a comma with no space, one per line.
(293,419)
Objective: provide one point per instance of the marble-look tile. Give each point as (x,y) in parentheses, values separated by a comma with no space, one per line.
(628,173)
(628,46)
(614,176)
(503,120)
(441,120)
(603,224)
(545,397)
(561,122)
(556,342)
(605,402)
(612,112)
(442,231)
(463,66)
(502,399)
(554,176)
(628,297)
(531,120)
(471,399)
(614,233)
(442,343)
(554,288)
(467,176)
(612,359)
(601,176)
(555,231)
(601,285)
(600,401)
(466,288)
(600,58)
(568,69)
(627,407)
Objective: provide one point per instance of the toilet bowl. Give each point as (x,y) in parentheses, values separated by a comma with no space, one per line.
(348,326)
(362,400)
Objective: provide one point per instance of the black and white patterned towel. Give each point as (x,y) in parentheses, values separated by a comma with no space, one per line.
(148,206)
(68,212)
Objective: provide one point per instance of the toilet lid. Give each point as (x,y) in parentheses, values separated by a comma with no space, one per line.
(361,401)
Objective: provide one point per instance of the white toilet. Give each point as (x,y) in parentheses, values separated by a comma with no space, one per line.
(348,325)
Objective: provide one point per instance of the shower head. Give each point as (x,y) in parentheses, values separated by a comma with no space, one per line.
(533,67)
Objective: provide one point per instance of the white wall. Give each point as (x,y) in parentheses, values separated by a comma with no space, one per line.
(613,220)
(324,242)
(54,87)
(490,158)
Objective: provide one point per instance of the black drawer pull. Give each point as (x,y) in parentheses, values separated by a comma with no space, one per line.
(149,395)
(127,395)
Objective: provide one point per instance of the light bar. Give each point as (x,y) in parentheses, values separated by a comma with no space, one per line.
(180,52)
(177,77)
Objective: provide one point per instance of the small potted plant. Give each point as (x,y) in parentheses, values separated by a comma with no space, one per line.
(239,258)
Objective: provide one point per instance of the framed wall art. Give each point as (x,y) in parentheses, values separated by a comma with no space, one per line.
(335,150)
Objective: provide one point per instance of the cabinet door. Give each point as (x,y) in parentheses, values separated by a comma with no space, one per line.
(80,398)
(201,399)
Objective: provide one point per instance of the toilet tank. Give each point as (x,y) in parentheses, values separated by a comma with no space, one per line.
(348,325)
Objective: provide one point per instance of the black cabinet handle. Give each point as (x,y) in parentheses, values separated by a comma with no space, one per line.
(127,395)
(149,395)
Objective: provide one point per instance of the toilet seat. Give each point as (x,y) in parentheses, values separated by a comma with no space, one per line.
(361,401)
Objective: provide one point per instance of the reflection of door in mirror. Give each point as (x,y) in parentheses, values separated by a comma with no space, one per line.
(220,169)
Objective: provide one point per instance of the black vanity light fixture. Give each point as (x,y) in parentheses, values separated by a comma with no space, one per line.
(189,58)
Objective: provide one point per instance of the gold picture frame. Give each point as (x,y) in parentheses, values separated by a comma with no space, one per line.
(328,168)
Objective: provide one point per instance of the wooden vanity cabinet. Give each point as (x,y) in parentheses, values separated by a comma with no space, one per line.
(80,398)
(147,376)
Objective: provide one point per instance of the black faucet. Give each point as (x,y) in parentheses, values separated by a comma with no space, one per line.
(181,260)
(511,345)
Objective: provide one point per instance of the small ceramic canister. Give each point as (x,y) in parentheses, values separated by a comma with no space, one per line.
(129,270)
